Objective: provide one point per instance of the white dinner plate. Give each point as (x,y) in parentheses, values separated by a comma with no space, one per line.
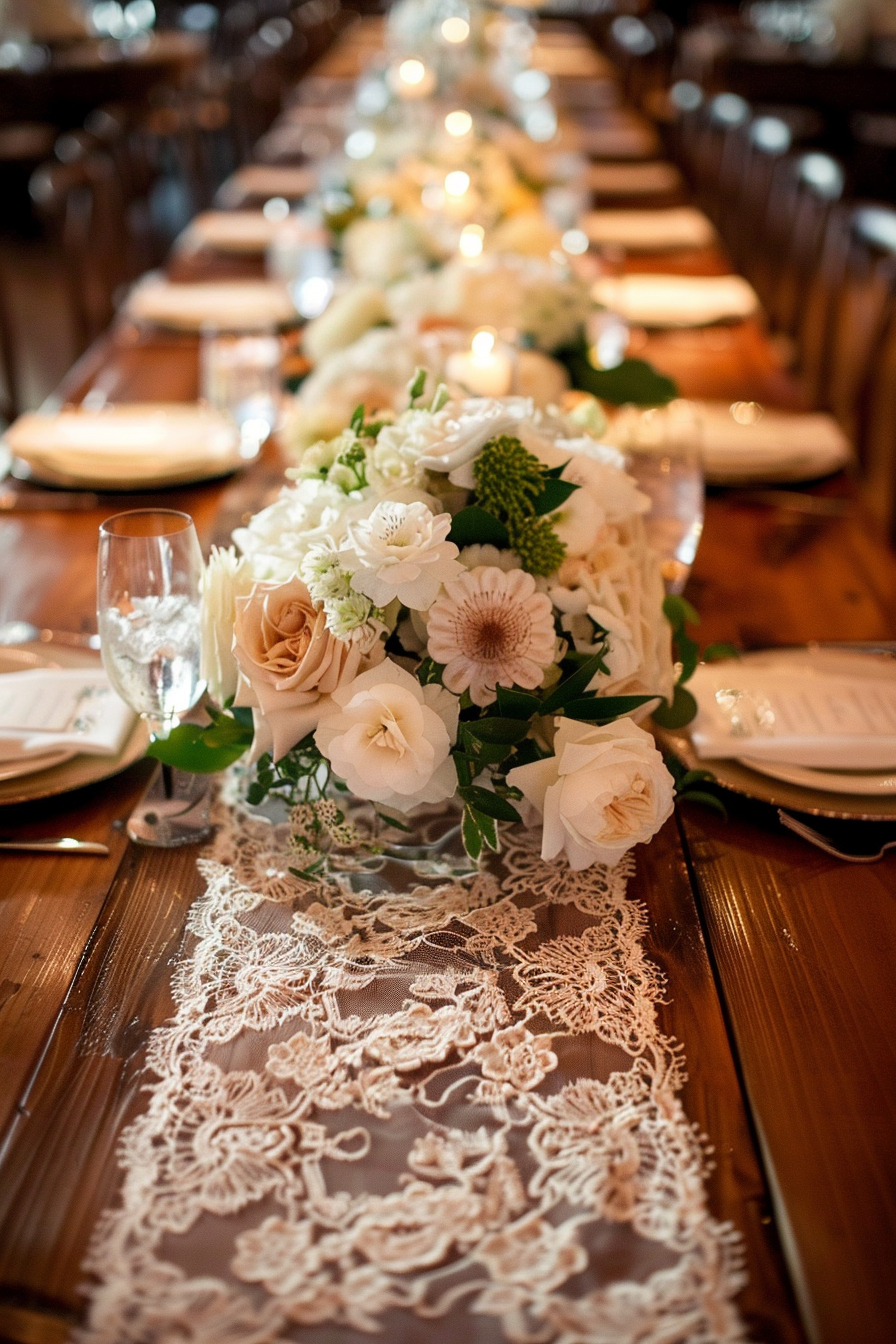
(856,794)
(232,305)
(867,783)
(653,300)
(244,232)
(25,660)
(127,446)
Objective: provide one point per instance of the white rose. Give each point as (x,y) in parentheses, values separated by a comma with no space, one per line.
(400,552)
(227,577)
(461,429)
(344,320)
(390,738)
(603,791)
(606,495)
(383,250)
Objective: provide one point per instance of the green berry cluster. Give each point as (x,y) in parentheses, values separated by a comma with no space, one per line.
(510,483)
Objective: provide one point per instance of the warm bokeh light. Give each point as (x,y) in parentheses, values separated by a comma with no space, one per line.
(455,30)
(575,242)
(412,71)
(457,183)
(472,240)
(360,144)
(458,123)
(276,209)
(483,343)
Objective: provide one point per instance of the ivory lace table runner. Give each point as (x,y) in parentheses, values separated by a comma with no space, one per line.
(437,1113)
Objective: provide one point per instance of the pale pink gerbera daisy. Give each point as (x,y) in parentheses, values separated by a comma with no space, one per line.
(491,628)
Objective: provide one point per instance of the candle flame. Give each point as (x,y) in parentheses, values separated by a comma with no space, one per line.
(458,123)
(471,240)
(483,343)
(455,30)
(412,71)
(457,183)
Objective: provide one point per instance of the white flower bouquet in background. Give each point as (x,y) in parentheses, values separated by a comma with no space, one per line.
(457,607)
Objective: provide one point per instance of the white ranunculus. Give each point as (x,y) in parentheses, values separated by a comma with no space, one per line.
(401,552)
(603,791)
(344,320)
(390,738)
(606,495)
(227,576)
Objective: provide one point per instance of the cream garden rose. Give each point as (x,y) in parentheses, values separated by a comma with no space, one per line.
(604,790)
(227,576)
(290,663)
(390,738)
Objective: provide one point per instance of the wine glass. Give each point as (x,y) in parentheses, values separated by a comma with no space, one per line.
(240,375)
(148,605)
(663,453)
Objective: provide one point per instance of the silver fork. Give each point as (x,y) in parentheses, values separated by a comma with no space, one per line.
(823,842)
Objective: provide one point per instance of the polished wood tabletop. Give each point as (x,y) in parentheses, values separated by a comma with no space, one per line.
(778,958)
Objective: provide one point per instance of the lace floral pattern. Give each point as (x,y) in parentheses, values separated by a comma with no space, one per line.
(431,1113)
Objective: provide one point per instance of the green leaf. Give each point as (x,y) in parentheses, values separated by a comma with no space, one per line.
(529,751)
(678,611)
(487,828)
(573,686)
(474,527)
(706,799)
(604,708)
(496,730)
(713,653)
(467,768)
(357,421)
(187,748)
(553,495)
(486,753)
(681,711)
(517,704)
(483,800)
(416,388)
(472,836)
(634,381)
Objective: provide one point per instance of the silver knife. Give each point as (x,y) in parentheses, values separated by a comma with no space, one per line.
(62,845)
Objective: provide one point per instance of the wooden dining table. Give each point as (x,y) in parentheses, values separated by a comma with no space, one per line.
(778,957)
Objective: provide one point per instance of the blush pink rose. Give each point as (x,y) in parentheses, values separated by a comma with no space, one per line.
(290,663)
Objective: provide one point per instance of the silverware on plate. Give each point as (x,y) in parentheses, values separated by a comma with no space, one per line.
(866,841)
(64,844)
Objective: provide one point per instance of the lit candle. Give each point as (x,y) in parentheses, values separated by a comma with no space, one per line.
(471,241)
(482,370)
(458,123)
(455,29)
(411,79)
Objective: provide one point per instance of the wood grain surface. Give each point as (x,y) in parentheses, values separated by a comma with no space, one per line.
(777,957)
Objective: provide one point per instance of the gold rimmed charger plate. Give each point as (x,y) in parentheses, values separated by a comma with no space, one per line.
(73,772)
(731,774)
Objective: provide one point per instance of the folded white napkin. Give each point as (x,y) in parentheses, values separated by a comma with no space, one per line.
(742,441)
(262,179)
(136,444)
(650,230)
(618,142)
(634,179)
(48,709)
(242,231)
(795,714)
(677,300)
(237,305)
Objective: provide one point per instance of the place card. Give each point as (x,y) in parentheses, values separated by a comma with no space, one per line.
(44,709)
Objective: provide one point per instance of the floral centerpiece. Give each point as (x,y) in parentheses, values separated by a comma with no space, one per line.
(457,604)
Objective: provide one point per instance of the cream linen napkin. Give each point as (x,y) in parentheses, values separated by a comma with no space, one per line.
(795,715)
(743,442)
(46,709)
(237,305)
(241,231)
(634,179)
(261,179)
(677,300)
(650,230)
